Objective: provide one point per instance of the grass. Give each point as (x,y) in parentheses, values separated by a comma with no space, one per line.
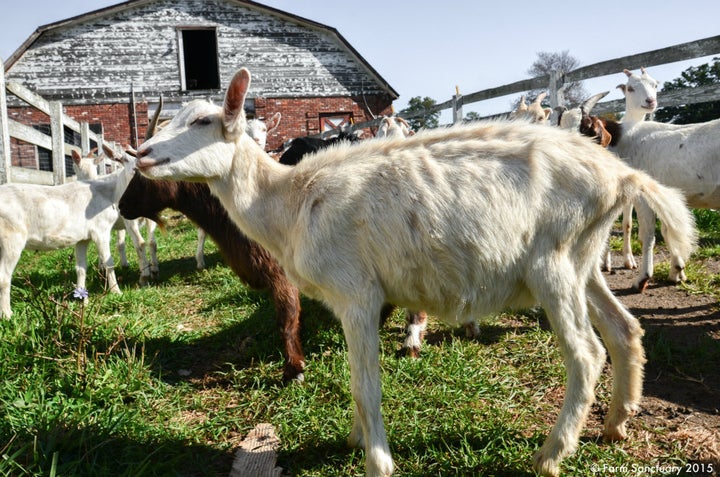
(166,380)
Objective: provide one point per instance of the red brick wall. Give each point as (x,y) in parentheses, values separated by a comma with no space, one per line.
(117,120)
(301,117)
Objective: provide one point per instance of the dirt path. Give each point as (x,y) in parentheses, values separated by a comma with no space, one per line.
(682,376)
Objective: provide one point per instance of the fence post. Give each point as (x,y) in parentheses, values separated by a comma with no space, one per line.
(5,158)
(457,106)
(555,92)
(57,131)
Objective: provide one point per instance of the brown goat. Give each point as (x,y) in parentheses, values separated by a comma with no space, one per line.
(250,262)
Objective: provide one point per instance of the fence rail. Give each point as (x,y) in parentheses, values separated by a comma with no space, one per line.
(54,142)
(554,82)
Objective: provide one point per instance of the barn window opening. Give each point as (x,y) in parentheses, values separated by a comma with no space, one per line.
(199,61)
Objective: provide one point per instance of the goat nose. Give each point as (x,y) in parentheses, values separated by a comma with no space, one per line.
(143,151)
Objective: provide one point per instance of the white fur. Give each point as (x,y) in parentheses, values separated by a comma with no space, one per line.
(258,129)
(37,217)
(686,157)
(394,126)
(86,169)
(534,112)
(460,221)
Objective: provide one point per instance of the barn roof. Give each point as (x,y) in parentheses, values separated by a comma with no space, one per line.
(113,9)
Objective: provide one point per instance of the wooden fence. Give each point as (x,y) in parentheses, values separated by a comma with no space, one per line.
(554,82)
(54,142)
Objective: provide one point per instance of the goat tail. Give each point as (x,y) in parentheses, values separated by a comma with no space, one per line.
(670,206)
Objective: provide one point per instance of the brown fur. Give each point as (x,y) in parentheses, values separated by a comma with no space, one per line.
(250,262)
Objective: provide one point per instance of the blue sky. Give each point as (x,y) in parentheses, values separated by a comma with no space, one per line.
(427,48)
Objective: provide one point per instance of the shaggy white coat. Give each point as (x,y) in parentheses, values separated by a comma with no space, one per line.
(686,157)
(461,222)
(40,217)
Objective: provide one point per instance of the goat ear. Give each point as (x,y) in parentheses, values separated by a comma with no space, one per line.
(75,156)
(627,72)
(233,112)
(110,152)
(274,122)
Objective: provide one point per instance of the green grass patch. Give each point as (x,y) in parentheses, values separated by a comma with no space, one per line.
(166,380)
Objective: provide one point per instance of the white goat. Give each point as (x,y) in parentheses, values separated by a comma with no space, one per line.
(394,126)
(686,157)
(460,221)
(258,129)
(534,112)
(39,217)
(86,169)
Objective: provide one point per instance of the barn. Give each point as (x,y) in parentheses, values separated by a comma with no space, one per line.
(108,68)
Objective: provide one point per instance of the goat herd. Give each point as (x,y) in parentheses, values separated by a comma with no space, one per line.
(455,222)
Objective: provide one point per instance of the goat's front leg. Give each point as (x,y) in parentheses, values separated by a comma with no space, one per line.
(12,247)
(81,263)
(360,325)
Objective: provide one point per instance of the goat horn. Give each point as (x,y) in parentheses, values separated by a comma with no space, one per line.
(153,122)
(590,103)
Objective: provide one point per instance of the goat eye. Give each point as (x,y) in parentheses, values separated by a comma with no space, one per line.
(202,121)
(630,89)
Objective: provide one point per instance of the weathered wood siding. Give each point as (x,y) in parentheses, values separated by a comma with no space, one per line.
(96,59)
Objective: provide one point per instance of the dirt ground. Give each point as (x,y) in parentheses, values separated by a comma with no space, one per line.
(682,376)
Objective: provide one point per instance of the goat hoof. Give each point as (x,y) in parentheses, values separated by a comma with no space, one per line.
(293,374)
(641,285)
(545,466)
(408,352)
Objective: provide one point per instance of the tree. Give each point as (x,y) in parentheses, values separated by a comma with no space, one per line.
(703,75)
(472,116)
(417,107)
(546,62)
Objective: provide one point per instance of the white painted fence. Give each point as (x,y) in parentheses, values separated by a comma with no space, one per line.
(55,142)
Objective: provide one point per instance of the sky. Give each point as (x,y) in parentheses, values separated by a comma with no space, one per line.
(427,48)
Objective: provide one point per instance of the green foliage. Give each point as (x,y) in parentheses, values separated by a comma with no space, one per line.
(419,117)
(472,116)
(703,75)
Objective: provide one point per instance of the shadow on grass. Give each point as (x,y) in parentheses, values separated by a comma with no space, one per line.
(326,455)
(243,344)
(78,449)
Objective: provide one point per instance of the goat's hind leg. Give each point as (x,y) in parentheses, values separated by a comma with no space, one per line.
(566,308)
(622,335)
